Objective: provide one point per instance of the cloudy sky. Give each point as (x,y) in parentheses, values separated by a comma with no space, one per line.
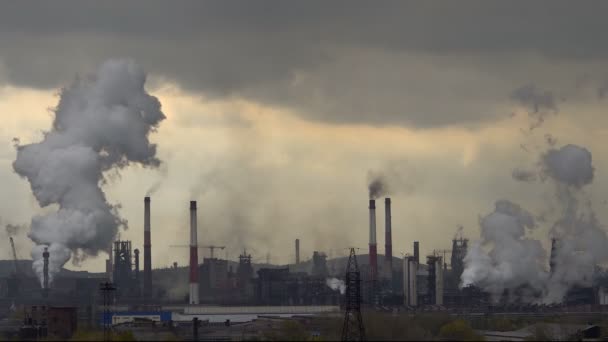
(278,111)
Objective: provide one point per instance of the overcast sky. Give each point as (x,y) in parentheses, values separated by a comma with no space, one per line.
(277,111)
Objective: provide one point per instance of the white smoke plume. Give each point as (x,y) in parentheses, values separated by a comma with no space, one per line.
(512,260)
(101,123)
(336,284)
(515,261)
(582,241)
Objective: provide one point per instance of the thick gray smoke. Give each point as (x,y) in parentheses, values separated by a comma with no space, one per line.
(539,103)
(396,177)
(101,123)
(506,259)
(378,185)
(570,165)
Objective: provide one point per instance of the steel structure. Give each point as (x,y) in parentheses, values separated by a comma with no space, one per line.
(107,289)
(353,329)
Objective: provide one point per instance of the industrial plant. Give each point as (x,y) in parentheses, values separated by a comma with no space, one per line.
(225,293)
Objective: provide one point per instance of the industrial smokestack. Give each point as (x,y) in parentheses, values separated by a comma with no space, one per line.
(297,251)
(417,252)
(193,255)
(388,239)
(45,272)
(109,272)
(373,251)
(147,250)
(136,252)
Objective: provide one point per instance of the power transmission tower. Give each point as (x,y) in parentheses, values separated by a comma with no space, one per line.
(107,289)
(353,329)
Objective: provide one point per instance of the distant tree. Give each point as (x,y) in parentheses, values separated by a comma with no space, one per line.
(540,334)
(293,331)
(458,330)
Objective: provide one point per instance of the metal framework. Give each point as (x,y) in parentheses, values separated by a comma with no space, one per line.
(107,289)
(353,329)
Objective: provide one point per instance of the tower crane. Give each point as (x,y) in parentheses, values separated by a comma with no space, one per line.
(211,247)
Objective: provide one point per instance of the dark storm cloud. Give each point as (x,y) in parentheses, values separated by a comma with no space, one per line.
(320,58)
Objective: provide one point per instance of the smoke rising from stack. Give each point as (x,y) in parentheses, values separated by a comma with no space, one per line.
(514,260)
(101,123)
(336,284)
(395,178)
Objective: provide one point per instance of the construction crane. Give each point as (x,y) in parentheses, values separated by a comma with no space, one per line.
(211,248)
(14,254)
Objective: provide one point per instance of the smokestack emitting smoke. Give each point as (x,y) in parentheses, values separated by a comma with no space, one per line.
(45,270)
(297,251)
(193,255)
(373,250)
(147,250)
(513,260)
(417,252)
(388,244)
(101,123)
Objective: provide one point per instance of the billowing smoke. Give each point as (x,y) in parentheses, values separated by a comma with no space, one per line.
(570,165)
(336,284)
(378,185)
(538,103)
(101,123)
(582,241)
(506,259)
(512,260)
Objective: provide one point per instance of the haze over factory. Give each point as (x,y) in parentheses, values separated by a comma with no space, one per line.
(210,160)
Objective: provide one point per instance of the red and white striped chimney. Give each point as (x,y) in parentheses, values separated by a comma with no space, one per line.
(373,250)
(388,239)
(193,255)
(147,250)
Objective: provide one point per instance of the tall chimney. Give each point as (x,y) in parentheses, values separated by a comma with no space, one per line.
(136,252)
(147,250)
(373,251)
(297,251)
(417,252)
(388,239)
(45,272)
(193,255)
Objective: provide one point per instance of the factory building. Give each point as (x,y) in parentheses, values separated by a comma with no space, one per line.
(435,280)
(410,280)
